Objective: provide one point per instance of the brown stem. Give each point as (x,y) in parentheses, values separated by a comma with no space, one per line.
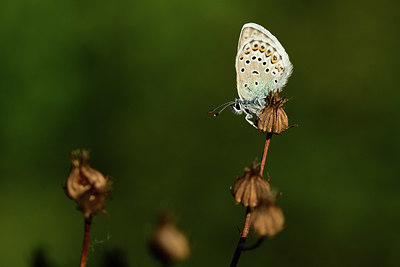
(264,156)
(86,238)
(242,240)
(246,228)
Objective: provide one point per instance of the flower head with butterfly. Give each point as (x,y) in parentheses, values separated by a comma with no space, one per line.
(262,70)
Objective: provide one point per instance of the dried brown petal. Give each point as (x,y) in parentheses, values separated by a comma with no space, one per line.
(168,244)
(250,189)
(94,177)
(273,119)
(76,185)
(87,186)
(267,220)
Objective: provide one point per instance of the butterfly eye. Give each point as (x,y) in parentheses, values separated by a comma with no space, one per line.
(237,106)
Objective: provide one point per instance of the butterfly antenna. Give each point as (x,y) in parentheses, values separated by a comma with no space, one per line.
(224,106)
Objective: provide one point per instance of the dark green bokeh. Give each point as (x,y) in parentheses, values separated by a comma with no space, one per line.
(132,81)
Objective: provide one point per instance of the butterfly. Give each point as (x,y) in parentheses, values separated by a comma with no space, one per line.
(262,66)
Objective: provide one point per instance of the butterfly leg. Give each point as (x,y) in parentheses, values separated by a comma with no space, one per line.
(261,102)
(248,119)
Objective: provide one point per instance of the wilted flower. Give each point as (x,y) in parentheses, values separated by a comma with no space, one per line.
(251,189)
(87,186)
(267,219)
(273,119)
(168,244)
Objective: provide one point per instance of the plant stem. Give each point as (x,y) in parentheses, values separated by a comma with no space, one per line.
(256,245)
(246,227)
(242,239)
(264,156)
(86,238)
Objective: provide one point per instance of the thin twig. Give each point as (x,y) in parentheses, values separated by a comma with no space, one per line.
(246,228)
(265,152)
(242,240)
(256,245)
(86,238)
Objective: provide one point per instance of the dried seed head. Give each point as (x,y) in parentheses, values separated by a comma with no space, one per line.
(87,186)
(273,119)
(267,219)
(251,189)
(168,244)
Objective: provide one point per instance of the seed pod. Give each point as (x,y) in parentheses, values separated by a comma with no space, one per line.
(273,119)
(87,186)
(251,189)
(168,244)
(267,220)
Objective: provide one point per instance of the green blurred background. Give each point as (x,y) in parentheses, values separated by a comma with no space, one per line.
(133,80)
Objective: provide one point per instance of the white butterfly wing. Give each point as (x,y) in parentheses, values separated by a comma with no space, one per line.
(262,64)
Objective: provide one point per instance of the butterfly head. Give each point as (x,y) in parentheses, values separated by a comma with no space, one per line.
(236,107)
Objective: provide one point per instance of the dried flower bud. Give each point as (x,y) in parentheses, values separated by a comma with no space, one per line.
(267,219)
(87,186)
(273,119)
(168,244)
(251,188)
